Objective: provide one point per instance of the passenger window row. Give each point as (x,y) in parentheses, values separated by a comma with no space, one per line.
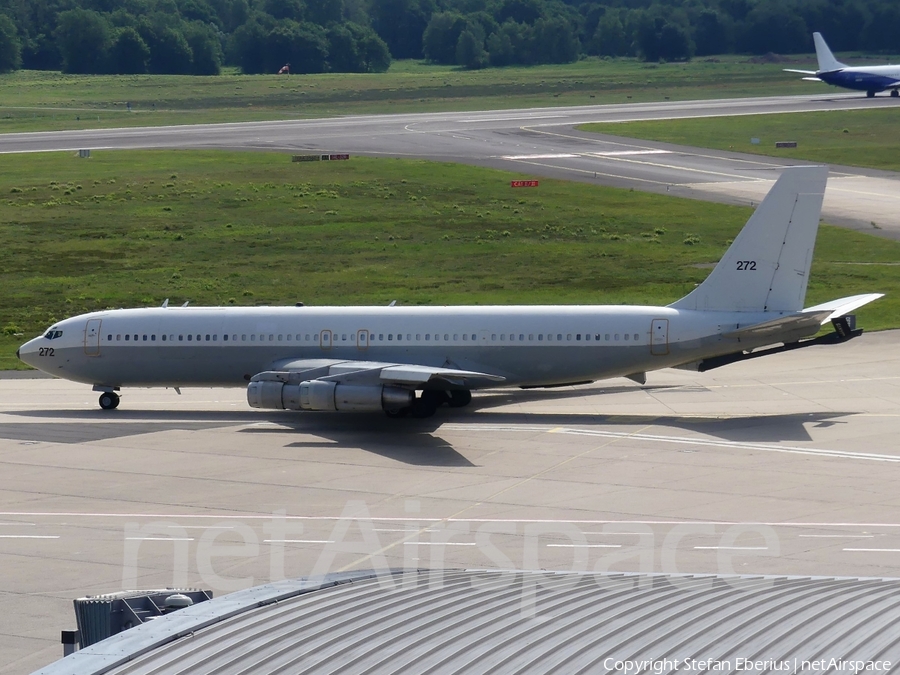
(391,337)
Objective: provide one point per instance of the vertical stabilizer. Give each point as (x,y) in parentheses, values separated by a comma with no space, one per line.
(826,59)
(766,268)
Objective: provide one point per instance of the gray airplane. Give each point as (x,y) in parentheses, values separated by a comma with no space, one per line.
(410,360)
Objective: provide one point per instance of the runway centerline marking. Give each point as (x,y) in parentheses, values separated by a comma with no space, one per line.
(624,153)
(29,536)
(298,541)
(584,546)
(873,550)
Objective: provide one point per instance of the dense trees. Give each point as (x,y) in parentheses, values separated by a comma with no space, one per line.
(261,36)
(10,47)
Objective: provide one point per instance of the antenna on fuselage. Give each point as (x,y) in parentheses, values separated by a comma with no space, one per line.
(185,303)
(393,302)
(165,303)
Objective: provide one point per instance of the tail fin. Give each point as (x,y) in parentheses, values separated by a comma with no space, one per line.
(766,268)
(826,59)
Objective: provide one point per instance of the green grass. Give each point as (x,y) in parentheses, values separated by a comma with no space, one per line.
(37,100)
(865,138)
(133,228)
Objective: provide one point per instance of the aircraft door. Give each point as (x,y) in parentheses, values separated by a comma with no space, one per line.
(325,339)
(92,338)
(659,337)
(362,340)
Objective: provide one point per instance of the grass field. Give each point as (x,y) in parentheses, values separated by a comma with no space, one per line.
(37,101)
(865,138)
(134,228)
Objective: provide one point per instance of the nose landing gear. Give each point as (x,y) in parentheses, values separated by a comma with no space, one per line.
(109,400)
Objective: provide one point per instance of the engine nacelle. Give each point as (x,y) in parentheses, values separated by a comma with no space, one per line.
(276,394)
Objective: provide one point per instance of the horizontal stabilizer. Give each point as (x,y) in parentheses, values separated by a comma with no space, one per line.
(812,79)
(802,72)
(783,324)
(836,308)
(807,320)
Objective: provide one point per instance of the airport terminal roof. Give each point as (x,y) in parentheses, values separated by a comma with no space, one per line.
(479,621)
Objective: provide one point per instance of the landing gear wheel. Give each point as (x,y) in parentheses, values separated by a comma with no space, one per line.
(109,400)
(460,398)
(423,407)
(397,414)
(870,94)
(435,397)
(894,93)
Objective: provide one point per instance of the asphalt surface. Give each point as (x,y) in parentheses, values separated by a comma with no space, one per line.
(542,143)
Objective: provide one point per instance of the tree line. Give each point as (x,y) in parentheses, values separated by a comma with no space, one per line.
(261,36)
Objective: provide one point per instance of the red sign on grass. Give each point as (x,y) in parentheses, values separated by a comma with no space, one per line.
(523,183)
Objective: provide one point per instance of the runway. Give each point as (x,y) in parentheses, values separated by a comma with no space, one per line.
(541,142)
(786,465)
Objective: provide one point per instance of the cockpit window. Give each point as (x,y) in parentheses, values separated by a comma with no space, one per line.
(53,334)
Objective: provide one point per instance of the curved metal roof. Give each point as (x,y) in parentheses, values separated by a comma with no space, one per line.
(482,621)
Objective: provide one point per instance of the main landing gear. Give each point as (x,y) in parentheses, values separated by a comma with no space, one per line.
(427,403)
(109,400)
(894,93)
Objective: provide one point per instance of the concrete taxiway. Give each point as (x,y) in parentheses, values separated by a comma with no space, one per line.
(784,465)
(542,142)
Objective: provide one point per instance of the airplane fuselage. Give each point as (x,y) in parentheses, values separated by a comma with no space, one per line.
(871,78)
(526,345)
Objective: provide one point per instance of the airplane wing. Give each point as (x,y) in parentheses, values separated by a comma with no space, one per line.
(812,79)
(808,319)
(376,372)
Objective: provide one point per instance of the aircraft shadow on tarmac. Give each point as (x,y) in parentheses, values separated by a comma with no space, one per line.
(416,442)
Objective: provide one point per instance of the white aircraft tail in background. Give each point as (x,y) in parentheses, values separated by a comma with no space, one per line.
(410,360)
(870,79)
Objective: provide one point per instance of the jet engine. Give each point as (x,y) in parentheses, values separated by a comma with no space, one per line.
(278,394)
